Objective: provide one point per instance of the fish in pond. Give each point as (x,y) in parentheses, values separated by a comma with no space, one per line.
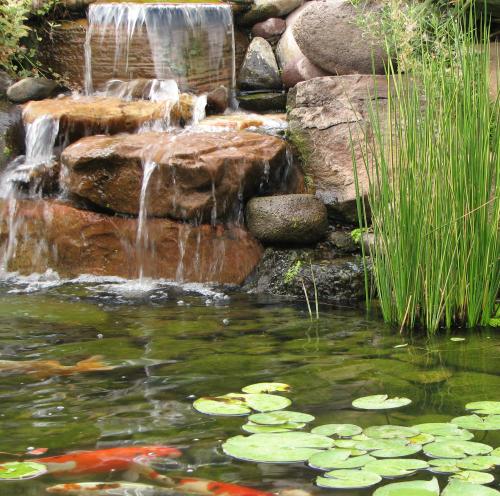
(214,488)
(48,368)
(109,489)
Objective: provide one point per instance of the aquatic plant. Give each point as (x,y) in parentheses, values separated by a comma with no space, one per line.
(433,162)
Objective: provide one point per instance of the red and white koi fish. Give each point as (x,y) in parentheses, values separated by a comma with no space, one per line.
(109,489)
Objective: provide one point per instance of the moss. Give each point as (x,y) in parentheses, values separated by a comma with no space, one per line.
(302,149)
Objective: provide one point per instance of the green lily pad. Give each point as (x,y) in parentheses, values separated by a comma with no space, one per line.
(266,387)
(380,444)
(444,466)
(390,431)
(380,402)
(455,449)
(344,443)
(21,470)
(410,488)
(340,430)
(288,447)
(280,418)
(326,460)
(421,438)
(460,488)
(477,423)
(396,467)
(473,477)
(352,462)
(399,452)
(479,463)
(221,405)
(495,452)
(257,428)
(444,430)
(484,407)
(348,479)
(266,402)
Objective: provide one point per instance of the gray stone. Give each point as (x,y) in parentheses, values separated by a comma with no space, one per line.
(328,117)
(5,82)
(287,219)
(265,9)
(270,29)
(343,242)
(263,102)
(328,34)
(260,70)
(31,88)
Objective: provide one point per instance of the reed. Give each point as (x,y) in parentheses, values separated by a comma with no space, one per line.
(433,198)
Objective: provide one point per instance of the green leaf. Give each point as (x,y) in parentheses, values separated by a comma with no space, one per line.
(390,431)
(455,449)
(352,462)
(280,418)
(379,402)
(411,488)
(479,463)
(258,428)
(396,467)
(266,387)
(445,430)
(340,430)
(398,452)
(221,405)
(484,407)
(380,444)
(21,470)
(348,479)
(422,438)
(266,402)
(327,460)
(460,488)
(477,423)
(473,477)
(444,466)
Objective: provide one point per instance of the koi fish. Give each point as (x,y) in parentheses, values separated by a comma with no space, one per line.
(48,368)
(214,488)
(109,489)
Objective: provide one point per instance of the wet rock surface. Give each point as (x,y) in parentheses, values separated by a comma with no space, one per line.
(263,101)
(73,242)
(11,132)
(198,176)
(287,219)
(218,100)
(31,88)
(328,115)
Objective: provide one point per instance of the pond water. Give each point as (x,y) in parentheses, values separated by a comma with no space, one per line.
(169,347)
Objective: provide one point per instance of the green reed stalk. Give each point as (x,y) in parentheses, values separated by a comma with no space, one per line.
(433,197)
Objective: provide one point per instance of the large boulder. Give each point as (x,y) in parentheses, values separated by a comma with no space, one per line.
(328,119)
(298,70)
(265,9)
(74,242)
(31,88)
(329,35)
(259,70)
(270,29)
(287,219)
(198,176)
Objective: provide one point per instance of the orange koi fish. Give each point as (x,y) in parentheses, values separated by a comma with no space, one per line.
(213,488)
(48,368)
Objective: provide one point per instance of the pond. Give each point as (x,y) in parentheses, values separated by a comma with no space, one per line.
(169,347)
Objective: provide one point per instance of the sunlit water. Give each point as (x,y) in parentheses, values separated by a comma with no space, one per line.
(170,346)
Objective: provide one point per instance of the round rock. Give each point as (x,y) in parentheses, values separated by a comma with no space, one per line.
(262,10)
(31,88)
(287,219)
(269,29)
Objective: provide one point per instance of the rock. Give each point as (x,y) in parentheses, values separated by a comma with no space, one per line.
(263,102)
(11,132)
(329,35)
(325,114)
(218,100)
(298,70)
(31,88)
(273,124)
(282,271)
(287,219)
(287,49)
(74,242)
(270,29)
(5,82)
(265,9)
(199,176)
(343,242)
(260,70)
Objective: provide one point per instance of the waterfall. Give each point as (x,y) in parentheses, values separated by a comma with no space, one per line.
(175,34)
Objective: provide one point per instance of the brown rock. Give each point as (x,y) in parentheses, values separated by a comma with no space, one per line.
(240,122)
(198,175)
(74,242)
(326,114)
(298,70)
(269,29)
(218,100)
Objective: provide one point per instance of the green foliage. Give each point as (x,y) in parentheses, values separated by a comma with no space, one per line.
(292,272)
(357,234)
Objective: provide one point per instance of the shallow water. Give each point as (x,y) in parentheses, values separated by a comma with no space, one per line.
(169,347)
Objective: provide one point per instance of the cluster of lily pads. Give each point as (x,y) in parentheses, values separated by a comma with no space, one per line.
(351,457)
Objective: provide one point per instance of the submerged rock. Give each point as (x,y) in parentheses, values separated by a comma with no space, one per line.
(202,176)
(74,242)
(31,88)
(287,219)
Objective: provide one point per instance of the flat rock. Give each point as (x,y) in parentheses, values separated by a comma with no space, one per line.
(262,10)
(74,242)
(31,88)
(259,70)
(287,219)
(263,102)
(328,34)
(272,123)
(198,176)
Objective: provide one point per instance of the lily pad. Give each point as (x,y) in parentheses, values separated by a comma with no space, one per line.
(380,444)
(473,477)
(340,430)
(399,452)
(477,423)
(344,443)
(257,428)
(460,488)
(455,449)
(484,407)
(396,467)
(289,447)
(444,466)
(379,402)
(266,387)
(280,418)
(221,405)
(421,438)
(479,463)
(21,470)
(326,460)
(390,431)
(410,488)
(348,479)
(352,462)
(266,402)
(444,430)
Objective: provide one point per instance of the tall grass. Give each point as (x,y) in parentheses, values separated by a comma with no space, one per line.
(433,187)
